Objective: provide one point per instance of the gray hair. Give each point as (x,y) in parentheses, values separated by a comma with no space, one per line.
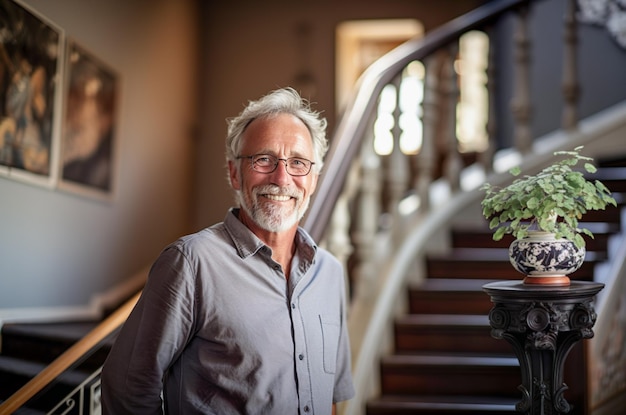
(281,101)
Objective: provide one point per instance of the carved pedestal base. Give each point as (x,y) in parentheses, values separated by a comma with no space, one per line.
(542,323)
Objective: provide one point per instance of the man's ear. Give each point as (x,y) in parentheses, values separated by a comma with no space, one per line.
(233,172)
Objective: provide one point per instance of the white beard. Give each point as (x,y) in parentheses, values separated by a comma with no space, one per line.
(270,216)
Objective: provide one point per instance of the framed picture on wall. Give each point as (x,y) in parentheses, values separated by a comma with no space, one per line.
(88,134)
(31,59)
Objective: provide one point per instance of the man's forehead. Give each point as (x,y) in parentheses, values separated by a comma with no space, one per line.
(284,133)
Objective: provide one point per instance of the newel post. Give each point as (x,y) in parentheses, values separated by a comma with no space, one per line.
(542,324)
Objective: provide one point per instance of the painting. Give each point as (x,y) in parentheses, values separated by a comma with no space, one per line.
(88,145)
(31,59)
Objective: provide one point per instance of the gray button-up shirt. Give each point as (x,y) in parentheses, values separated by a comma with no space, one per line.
(218,330)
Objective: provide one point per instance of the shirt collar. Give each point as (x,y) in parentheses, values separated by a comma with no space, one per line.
(247,243)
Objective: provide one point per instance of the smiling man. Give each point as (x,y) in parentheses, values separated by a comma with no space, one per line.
(247,316)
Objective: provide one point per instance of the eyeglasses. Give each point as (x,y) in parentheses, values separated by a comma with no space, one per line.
(266,163)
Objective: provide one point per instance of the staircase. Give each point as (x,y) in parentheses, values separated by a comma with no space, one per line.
(445,361)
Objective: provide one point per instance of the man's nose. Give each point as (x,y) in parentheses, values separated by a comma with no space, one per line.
(284,161)
(280,172)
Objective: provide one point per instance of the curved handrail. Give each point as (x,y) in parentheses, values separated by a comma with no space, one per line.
(68,358)
(349,134)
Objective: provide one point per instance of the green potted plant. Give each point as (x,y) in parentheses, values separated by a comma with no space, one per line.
(546,206)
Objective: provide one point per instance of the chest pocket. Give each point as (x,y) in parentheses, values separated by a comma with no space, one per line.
(330,335)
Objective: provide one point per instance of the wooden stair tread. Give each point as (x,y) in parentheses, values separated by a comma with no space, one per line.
(450,374)
(408,361)
(484,404)
(449,296)
(472,400)
(474,254)
(20,366)
(468,341)
(26,411)
(594,227)
(44,342)
(60,331)
(484,263)
(614,178)
(611,161)
(451,285)
(482,237)
(495,255)
(30,368)
(16,372)
(453,334)
(444,320)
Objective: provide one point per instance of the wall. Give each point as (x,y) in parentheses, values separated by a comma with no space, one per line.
(57,248)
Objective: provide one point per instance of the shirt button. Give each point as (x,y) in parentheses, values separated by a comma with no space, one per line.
(301,356)
(276,267)
(293,305)
(306,408)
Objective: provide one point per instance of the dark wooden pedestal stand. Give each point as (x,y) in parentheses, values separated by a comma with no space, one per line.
(542,323)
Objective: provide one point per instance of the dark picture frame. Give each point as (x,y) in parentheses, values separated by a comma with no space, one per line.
(31,60)
(88,135)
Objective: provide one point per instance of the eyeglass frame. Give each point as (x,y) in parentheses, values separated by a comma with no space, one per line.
(285,162)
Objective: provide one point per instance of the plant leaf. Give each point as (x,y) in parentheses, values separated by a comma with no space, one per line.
(498,234)
(532,203)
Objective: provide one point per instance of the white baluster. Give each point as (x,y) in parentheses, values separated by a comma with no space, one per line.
(367,215)
(520,105)
(397,166)
(486,157)
(453,163)
(338,235)
(570,69)
(426,157)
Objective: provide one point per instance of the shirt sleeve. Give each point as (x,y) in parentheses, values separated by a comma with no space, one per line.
(153,337)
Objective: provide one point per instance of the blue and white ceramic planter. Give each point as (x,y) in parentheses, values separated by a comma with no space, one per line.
(540,256)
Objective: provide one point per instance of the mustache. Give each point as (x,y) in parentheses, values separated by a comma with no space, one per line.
(270,189)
